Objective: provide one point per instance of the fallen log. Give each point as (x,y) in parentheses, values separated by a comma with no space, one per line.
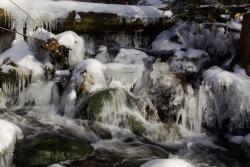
(93,22)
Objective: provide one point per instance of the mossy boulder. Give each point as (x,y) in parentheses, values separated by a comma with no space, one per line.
(136,126)
(92,105)
(46,149)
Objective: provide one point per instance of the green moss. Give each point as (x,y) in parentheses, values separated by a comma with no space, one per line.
(136,126)
(45,150)
(92,106)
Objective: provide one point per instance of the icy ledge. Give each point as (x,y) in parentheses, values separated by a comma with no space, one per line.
(9,134)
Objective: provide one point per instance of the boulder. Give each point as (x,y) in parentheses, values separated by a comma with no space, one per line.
(47,149)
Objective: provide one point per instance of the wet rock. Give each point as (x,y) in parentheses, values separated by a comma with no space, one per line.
(88,82)
(166,91)
(46,149)
(92,106)
(188,61)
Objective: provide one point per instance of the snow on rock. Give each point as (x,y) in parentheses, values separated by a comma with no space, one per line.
(236,139)
(154,2)
(188,61)
(167,91)
(69,39)
(164,41)
(215,39)
(76,45)
(131,56)
(228,99)
(110,74)
(9,134)
(94,68)
(23,57)
(167,163)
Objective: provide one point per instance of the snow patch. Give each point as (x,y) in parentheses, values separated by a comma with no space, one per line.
(167,163)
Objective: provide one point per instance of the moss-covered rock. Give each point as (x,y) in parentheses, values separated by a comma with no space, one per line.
(92,106)
(45,149)
(136,126)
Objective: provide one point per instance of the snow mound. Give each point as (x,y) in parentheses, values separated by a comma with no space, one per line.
(104,75)
(76,45)
(23,57)
(9,134)
(167,163)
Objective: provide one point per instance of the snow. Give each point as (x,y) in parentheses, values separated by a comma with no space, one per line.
(76,45)
(23,57)
(9,133)
(191,60)
(95,68)
(154,2)
(110,74)
(167,163)
(236,139)
(131,56)
(163,42)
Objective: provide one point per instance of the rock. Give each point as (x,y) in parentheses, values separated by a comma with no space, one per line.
(46,149)
(92,106)
(88,82)
(188,61)
(166,91)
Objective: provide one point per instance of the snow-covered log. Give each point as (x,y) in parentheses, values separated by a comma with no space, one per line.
(84,17)
(95,22)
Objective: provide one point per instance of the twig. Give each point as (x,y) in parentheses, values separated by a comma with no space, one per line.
(13,31)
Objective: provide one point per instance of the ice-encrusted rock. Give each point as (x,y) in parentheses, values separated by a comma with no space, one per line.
(131,56)
(167,163)
(188,61)
(166,91)
(106,75)
(9,134)
(228,100)
(215,39)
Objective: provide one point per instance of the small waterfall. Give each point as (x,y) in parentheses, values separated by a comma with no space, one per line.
(40,95)
(190,116)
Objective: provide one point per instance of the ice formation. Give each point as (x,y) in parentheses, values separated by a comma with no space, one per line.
(9,134)
(167,163)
